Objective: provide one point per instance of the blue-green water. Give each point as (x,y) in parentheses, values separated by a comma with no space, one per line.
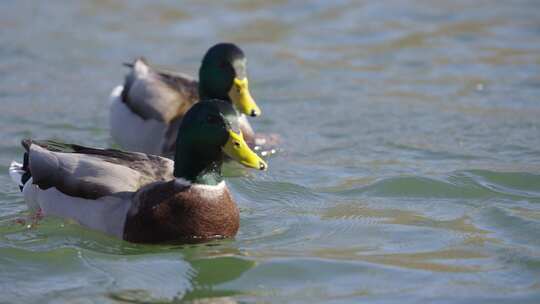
(410,162)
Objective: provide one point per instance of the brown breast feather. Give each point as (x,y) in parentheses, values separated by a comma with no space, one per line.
(169,211)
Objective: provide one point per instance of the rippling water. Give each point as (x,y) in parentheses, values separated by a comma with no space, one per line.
(409,170)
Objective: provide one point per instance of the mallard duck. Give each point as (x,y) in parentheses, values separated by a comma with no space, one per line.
(142,197)
(147,109)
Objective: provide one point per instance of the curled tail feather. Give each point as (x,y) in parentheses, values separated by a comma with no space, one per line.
(18,172)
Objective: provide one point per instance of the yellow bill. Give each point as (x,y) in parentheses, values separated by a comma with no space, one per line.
(237,149)
(241,98)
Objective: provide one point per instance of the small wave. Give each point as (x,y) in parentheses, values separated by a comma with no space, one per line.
(521,184)
(417,187)
(470,184)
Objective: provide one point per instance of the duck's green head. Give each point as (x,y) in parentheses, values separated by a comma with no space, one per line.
(208,131)
(223,76)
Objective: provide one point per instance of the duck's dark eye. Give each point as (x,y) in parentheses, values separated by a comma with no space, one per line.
(213,119)
(236,144)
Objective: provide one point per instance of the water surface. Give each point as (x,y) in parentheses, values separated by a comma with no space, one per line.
(410,163)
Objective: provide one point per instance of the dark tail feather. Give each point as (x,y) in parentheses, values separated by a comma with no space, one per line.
(27,175)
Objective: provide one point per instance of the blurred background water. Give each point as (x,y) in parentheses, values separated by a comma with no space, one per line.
(410,162)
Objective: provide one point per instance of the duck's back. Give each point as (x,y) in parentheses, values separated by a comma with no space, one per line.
(158,95)
(147,109)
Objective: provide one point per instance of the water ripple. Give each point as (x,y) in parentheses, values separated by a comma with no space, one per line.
(471,184)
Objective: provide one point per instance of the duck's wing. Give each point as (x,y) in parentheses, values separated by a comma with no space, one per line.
(158,95)
(168,145)
(90,173)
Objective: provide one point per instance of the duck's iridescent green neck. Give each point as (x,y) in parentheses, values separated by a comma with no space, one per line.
(196,167)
